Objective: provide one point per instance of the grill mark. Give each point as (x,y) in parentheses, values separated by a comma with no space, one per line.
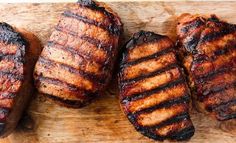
(217,53)
(165,104)
(74,61)
(229,29)
(171,120)
(108,28)
(215,90)
(98,43)
(152,91)
(67,49)
(72,51)
(198,59)
(202,79)
(115,27)
(91,77)
(46,87)
(80,28)
(12,57)
(78,51)
(148,66)
(149,131)
(210,70)
(147,84)
(159,97)
(12,76)
(211,108)
(71,87)
(176,118)
(185,133)
(226,117)
(7,95)
(192,24)
(223,51)
(155,55)
(166,68)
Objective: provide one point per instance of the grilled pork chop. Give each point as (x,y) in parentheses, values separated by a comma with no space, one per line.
(209,51)
(18,51)
(77,62)
(153,91)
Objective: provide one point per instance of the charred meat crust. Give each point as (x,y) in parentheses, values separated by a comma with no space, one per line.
(138,39)
(142,37)
(213,21)
(180,133)
(10,36)
(115,26)
(184,134)
(225,28)
(196,23)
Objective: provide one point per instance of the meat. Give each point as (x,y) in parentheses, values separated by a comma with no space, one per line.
(18,52)
(209,55)
(77,62)
(153,91)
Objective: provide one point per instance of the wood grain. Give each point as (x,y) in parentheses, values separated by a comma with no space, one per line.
(103,121)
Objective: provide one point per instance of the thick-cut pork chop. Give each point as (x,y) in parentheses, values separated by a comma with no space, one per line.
(209,52)
(18,53)
(77,62)
(153,92)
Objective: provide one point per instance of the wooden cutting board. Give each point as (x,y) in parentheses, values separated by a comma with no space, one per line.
(103,121)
